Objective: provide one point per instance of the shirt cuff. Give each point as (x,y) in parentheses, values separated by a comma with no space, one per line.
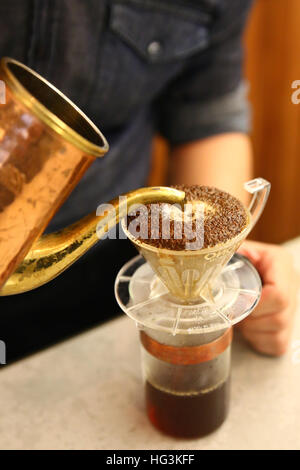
(193,120)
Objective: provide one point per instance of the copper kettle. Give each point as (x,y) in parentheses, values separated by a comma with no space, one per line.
(46,145)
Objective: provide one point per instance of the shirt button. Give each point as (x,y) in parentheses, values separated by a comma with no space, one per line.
(154,48)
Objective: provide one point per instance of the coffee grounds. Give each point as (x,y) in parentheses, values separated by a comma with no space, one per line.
(224,218)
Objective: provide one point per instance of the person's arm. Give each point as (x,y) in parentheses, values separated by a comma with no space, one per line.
(224,161)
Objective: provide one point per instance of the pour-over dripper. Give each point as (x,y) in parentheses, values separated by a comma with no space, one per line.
(189,274)
(185,341)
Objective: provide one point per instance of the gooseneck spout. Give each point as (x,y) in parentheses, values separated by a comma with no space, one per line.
(55,252)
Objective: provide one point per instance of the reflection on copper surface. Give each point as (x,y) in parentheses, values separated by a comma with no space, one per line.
(38,169)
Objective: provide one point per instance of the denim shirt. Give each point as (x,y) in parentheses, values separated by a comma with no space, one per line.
(135,67)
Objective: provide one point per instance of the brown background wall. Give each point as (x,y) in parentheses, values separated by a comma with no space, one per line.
(272,43)
(273,63)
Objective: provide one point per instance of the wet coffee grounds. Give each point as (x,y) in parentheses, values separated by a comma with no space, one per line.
(223,218)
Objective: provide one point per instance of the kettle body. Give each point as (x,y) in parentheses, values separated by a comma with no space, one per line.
(46,145)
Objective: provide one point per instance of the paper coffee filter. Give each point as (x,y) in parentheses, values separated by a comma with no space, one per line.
(187,274)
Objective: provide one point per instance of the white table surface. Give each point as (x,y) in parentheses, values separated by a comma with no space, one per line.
(87,393)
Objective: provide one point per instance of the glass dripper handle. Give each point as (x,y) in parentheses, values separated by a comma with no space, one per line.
(260,190)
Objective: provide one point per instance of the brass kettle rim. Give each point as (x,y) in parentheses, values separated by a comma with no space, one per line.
(49,117)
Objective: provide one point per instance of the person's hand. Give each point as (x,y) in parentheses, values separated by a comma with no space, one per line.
(268,328)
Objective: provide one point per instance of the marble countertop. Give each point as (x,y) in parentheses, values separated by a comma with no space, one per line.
(87,393)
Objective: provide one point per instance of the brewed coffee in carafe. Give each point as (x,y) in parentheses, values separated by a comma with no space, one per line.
(187,387)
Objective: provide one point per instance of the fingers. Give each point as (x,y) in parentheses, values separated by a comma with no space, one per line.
(272,300)
(268,329)
(267,323)
(270,333)
(272,344)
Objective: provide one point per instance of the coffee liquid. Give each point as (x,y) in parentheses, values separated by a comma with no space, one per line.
(190,415)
